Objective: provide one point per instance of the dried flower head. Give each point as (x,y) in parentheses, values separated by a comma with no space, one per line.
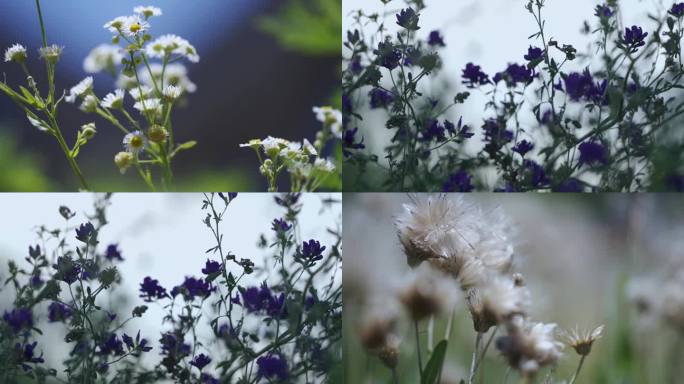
(429,293)
(16,53)
(582,341)
(496,301)
(529,347)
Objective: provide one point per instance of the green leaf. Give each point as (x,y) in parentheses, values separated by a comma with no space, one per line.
(434,366)
(185,146)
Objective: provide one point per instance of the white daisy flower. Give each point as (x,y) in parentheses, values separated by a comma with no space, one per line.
(147,11)
(135,142)
(292,150)
(147,105)
(78,90)
(582,341)
(175,74)
(104,56)
(324,165)
(172,92)
(308,148)
(141,92)
(89,104)
(116,25)
(16,53)
(331,118)
(134,25)
(273,145)
(172,44)
(51,53)
(114,100)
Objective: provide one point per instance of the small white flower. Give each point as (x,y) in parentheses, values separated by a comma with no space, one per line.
(115,26)
(51,53)
(308,148)
(135,142)
(324,165)
(133,25)
(80,89)
(273,145)
(16,53)
(147,11)
(331,118)
(141,92)
(172,44)
(114,100)
(123,160)
(293,150)
(104,56)
(582,341)
(172,92)
(89,104)
(174,74)
(146,105)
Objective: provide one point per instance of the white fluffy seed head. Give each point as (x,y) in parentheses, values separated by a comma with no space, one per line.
(16,53)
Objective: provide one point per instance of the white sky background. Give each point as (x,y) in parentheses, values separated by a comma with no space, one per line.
(160,235)
(491,33)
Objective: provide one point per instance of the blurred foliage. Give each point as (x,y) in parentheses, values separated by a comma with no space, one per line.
(20,170)
(311,27)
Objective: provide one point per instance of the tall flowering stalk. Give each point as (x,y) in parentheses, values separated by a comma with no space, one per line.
(155,87)
(549,124)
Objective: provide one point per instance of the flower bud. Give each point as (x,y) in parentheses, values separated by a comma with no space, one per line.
(123,160)
(158,134)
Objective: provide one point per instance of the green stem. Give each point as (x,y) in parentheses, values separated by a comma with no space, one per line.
(72,162)
(42,25)
(420,360)
(579,368)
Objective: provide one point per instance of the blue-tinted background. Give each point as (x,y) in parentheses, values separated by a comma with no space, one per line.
(248,86)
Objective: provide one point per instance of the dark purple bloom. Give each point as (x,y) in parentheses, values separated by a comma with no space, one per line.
(58,312)
(593,152)
(128,341)
(495,133)
(388,55)
(192,288)
(581,85)
(379,98)
(355,65)
(634,37)
(473,76)
(276,307)
(534,53)
(206,378)
(570,185)
(272,366)
(435,39)
(408,18)
(200,361)
(523,147)
(349,141)
(36,280)
(67,270)
(27,355)
(19,319)
(603,11)
(211,267)
(113,253)
(677,9)
(280,226)
(312,250)
(433,131)
(150,290)
(84,232)
(460,181)
(536,174)
(515,74)
(112,345)
(171,346)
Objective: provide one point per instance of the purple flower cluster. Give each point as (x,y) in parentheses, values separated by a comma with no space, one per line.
(379,98)
(172,346)
(19,318)
(408,19)
(473,76)
(677,10)
(58,312)
(515,74)
(534,54)
(67,270)
(27,355)
(212,267)
(592,153)
(151,290)
(262,300)
(112,253)
(388,55)
(634,37)
(460,181)
(111,345)
(193,288)
(582,86)
(85,232)
(349,141)
(312,251)
(603,11)
(435,39)
(272,366)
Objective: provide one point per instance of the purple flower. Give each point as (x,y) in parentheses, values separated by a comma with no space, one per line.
(408,19)
(211,267)
(209,379)
(388,55)
(634,37)
(128,341)
(276,307)
(433,131)
(27,353)
(514,74)
(349,141)
(200,361)
(192,288)
(171,346)
(603,11)
(67,270)
(150,290)
(19,319)
(460,181)
(312,250)
(435,39)
(677,9)
(113,253)
(272,366)
(112,345)
(280,226)
(593,152)
(495,133)
(534,53)
(523,147)
(58,312)
(255,299)
(581,85)
(379,98)
(473,76)
(84,232)
(536,174)
(36,280)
